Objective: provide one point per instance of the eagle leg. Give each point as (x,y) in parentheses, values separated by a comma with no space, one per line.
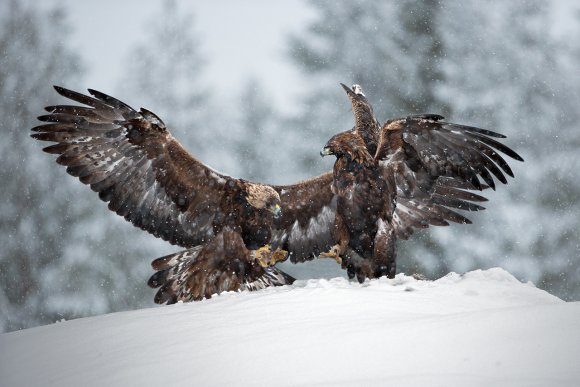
(384,260)
(266,257)
(342,238)
(279,256)
(356,266)
(361,268)
(335,253)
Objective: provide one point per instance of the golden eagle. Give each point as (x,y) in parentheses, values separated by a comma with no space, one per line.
(227,225)
(232,230)
(402,176)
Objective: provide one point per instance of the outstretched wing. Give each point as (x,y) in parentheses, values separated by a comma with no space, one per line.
(308,212)
(422,148)
(223,264)
(134,163)
(436,164)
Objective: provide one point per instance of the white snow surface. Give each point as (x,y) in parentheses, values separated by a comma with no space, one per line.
(483,328)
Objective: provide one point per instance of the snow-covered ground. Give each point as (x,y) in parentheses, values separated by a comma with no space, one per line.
(483,328)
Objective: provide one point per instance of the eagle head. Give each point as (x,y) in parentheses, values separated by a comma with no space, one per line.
(337,145)
(262,196)
(348,144)
(362,109)
(355,92)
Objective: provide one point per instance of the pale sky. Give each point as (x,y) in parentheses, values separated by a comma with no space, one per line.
(239,39)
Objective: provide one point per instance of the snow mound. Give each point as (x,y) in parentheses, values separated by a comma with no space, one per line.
(479,329)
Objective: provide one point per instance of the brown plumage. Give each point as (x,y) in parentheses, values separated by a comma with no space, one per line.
(421,168)
(366,125)
(363,206)
(133,162)
(211,268)
(229,226)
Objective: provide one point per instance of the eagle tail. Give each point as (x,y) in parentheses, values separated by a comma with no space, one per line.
(188,276)
(172,272)
(272,277)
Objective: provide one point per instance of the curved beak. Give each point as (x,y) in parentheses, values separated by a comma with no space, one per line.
(347,89)
(276,210)
(325,152)
(354,92)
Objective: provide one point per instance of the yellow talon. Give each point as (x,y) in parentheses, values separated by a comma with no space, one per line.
(265,248)
(264,255)
(278,256)
(333,253)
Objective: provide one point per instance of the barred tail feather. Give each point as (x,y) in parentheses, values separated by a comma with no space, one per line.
(171,277)
(200,272)
(272,277)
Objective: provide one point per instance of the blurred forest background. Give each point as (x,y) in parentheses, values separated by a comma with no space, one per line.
(495,64)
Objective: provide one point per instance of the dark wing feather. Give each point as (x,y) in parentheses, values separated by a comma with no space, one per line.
(436,208)
(135,165)
(425,148)
(437,165)
(308,213)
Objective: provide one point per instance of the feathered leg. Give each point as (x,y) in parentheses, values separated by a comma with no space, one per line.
(342,239)
(385,254)
(383,261)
